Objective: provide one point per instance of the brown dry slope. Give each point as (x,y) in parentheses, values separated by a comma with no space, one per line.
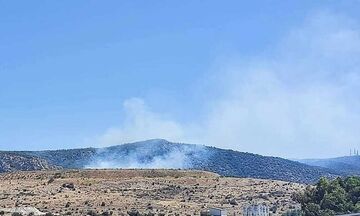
(119,192)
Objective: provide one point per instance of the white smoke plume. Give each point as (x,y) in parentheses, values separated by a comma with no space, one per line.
(300,99)
(141,124)
(154,153)
(173,160)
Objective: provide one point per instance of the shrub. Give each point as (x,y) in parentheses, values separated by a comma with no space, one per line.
(92,213)
(296,212)
(134,212)
(330,197)
(51,180)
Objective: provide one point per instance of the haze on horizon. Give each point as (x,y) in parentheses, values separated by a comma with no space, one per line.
(273,78)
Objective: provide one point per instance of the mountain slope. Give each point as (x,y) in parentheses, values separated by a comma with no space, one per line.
(233,163)
(348,165)
(14,161)
(163,154)
(66,158)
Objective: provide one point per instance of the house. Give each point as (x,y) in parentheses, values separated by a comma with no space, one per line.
(214,212)
(256,210)
(217,212)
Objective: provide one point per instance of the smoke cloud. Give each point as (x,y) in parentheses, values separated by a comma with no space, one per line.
(172,160)
(149,154)
(300,99)
(141,124)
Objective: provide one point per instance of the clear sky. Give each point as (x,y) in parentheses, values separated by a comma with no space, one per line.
(270,77)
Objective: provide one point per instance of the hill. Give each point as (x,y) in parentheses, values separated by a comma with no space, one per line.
(348,165)
(14,161)
(163,154)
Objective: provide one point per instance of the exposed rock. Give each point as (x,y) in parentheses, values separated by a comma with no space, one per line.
(23,210)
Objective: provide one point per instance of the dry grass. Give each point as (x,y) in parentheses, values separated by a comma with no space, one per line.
(172,192)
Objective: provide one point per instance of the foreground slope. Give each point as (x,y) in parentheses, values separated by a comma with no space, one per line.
(160,192)
(164,154)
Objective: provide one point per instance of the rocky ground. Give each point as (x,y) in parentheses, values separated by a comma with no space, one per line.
(147,192)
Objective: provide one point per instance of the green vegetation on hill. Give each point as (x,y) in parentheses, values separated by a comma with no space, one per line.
(11,161)
(348,165)
(164,154)
(331,197)
(243,164)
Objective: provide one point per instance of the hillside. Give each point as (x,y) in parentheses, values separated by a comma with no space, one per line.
(163,154)
(233,163)
(66,158)
(348,165)
(146,192)
(11,161)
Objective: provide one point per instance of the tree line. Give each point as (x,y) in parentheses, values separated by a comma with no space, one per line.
(330,197)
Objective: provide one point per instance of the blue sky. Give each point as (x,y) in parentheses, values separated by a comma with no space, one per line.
(87,73)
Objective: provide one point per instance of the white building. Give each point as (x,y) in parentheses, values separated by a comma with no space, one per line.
(217,212)
(214,212)
(256,210)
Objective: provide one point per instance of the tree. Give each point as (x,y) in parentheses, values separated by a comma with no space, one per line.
(326,198)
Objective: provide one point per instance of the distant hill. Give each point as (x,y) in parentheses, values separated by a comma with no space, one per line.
(163,154)
(14,161)
(348,165)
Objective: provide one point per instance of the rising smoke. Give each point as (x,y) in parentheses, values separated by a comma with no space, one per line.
(149,154)
(300,99)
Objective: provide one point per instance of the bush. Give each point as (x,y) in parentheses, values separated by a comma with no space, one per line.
(338,196)
(92,213)
(133,212)
(51,180)
(296,212)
